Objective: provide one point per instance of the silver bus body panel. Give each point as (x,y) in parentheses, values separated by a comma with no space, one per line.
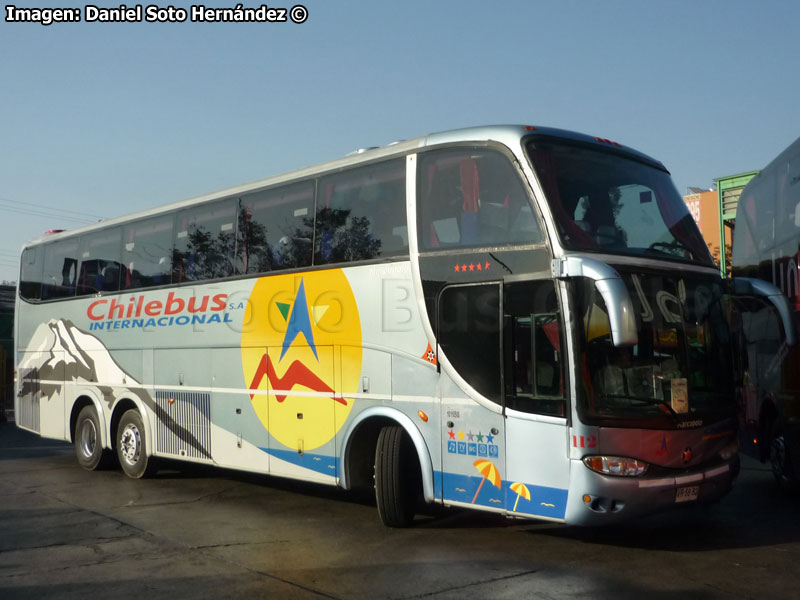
(195,380)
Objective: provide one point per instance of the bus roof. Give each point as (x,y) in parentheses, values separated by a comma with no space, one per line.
(509,135)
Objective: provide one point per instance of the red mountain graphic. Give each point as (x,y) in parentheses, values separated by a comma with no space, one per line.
(296,374)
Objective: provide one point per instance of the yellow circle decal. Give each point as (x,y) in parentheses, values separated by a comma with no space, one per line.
(301,355)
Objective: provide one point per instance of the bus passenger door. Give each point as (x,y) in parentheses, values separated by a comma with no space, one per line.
(535,399)
(469,335)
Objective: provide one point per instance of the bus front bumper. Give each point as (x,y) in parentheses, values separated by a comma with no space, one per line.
(597,499)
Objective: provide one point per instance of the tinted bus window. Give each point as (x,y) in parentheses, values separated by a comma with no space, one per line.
(205,242)
(361,214)
(534,380)
(472,197)
(147,253)
(768,224)
(60,269)
(30,279)
(469,334)
(276,229)
(605,201)
(100,267)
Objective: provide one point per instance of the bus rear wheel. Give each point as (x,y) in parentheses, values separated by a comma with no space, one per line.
(395,482)
(88,442)
(132,446)
(779,460)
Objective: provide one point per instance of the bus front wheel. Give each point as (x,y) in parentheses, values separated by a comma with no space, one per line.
(779,459)
(395,467)
(88,442)
(132,446)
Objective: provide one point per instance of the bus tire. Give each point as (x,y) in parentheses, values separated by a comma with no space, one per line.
(395,492)
(88,442)
(779,459)
(132,446)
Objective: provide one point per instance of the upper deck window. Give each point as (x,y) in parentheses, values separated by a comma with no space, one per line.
(60,269)
(147,253)
(30,280)
(276,229)
(361,214)
(205,242)
(472,197)
(100,267)
(604,201)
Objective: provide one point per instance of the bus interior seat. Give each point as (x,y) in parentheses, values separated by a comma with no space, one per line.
(608,236)
(523,228)
(545,377)
(109,277)
(470,193)
(396,242)
(470,228)
(493,222)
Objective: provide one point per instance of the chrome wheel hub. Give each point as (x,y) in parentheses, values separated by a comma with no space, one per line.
(88,438)
(130,443)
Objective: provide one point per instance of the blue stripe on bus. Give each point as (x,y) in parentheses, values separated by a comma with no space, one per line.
(544,501)
(319,463)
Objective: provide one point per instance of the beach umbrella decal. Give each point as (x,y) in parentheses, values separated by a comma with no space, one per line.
(490,472)
(522,491)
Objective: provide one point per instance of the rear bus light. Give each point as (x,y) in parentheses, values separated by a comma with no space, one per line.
(616,465)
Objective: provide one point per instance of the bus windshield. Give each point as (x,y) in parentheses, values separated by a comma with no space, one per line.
(681,368)
(606,201)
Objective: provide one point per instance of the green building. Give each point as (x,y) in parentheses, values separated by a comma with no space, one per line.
(728,191)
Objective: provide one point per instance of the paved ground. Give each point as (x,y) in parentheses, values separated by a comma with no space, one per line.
(204,533)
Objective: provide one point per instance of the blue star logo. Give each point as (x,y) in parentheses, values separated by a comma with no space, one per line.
(299,322)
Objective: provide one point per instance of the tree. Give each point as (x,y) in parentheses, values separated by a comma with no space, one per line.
(342,238)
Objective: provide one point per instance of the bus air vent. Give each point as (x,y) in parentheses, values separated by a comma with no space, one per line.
(183,424)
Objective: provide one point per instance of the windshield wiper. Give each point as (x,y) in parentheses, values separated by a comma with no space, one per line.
(645,400)
(669,248)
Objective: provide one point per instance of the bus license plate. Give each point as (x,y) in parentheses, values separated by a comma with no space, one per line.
(687,494)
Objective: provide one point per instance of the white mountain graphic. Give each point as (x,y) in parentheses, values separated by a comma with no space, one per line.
(59,351)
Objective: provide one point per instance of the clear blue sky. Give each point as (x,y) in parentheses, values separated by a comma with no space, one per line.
(107,119)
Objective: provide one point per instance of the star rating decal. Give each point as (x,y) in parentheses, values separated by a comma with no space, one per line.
(471,444)
(480,266)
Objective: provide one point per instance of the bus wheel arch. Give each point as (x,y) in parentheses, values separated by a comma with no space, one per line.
(395,432)
(397,477)
(80,403)
(88,435)
(359,454)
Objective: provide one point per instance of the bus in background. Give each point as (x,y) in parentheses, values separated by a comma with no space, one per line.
(516,319)
(767,247)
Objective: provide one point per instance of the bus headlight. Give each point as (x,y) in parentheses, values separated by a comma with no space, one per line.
(616,465)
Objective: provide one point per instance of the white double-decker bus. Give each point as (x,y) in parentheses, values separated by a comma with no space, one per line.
(517,319)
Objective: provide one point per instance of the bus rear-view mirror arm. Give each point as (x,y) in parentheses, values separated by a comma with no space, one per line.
(612,289)
(750,286)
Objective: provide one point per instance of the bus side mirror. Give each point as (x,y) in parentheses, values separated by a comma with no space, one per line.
(749,286)
(609,284)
